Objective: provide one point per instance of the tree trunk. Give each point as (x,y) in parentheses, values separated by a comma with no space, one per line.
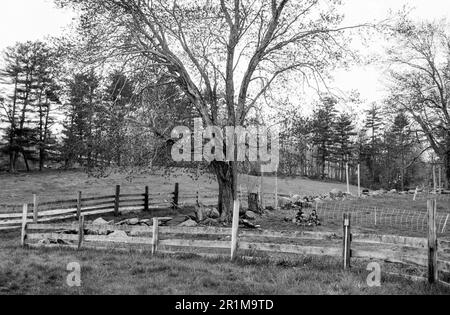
(225,177)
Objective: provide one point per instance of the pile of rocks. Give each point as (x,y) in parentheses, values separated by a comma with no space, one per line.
(310,220)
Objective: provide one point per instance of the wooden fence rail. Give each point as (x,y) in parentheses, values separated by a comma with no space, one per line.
(395,249)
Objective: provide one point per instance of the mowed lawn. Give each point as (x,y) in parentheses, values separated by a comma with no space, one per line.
(45,272)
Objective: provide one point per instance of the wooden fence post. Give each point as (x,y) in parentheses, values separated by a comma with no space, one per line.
(348,178)
(117,201)
(35,208)
(347,241)
(359,180)
(434,178)
(235,230)
(146,199)
(24,225)
(80,232)
(433,272)
(276,191)
(155,239)
(176,196)
(79,204)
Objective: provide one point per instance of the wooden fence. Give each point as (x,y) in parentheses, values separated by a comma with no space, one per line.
(433,254)
(88,206)
(116,203)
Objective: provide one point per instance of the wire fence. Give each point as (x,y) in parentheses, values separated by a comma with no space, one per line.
(374,217)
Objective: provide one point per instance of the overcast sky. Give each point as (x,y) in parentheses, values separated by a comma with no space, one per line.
(23,20)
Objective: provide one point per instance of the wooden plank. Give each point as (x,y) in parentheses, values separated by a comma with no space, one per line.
(291,249)
(100,203)
(235,229)
(155,238)
(24,224)
(195,230)
(35,208)
(195,243)
(79,204)
(117,201)
(433,271)
(131,196)
(290,235)
(176,196)
(119,240)
(59,202)
(390,256)
(46,213)
(97,212)
(390,239)
(55,227)
(98,198)
(132,201)
(81,232)
(92,238)
(146,199)
(347,242)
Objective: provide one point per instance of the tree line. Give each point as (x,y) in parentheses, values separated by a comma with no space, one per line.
(384,144)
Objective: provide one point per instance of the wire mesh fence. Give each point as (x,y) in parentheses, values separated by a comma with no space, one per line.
(374,217)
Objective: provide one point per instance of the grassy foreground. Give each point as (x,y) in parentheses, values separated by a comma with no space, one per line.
(43,272)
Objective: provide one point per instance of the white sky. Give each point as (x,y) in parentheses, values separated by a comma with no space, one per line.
(23,20)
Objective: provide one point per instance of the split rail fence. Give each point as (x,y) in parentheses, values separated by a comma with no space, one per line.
(431,253)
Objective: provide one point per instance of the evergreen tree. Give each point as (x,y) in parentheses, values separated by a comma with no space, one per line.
(344,131)
(323,131)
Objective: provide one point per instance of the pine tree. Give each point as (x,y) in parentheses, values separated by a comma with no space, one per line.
(78,135)
(27,66)
(323,131)
(344,131)
(374,124)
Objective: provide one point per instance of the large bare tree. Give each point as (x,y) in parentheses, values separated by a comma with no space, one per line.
(225,55)
(420,86)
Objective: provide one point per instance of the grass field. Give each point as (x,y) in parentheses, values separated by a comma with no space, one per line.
(44,272)
(65,184)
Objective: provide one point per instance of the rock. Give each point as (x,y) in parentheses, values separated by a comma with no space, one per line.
(283,202)
(188,223)
(393,191)
(210,222)
(296,198)
(178,220)
(100,221)
(214,214)
(118,234)
(201,212)
(147,222)
(250,215)
(366,192)
(134,221)
(336,193)
(192,215)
